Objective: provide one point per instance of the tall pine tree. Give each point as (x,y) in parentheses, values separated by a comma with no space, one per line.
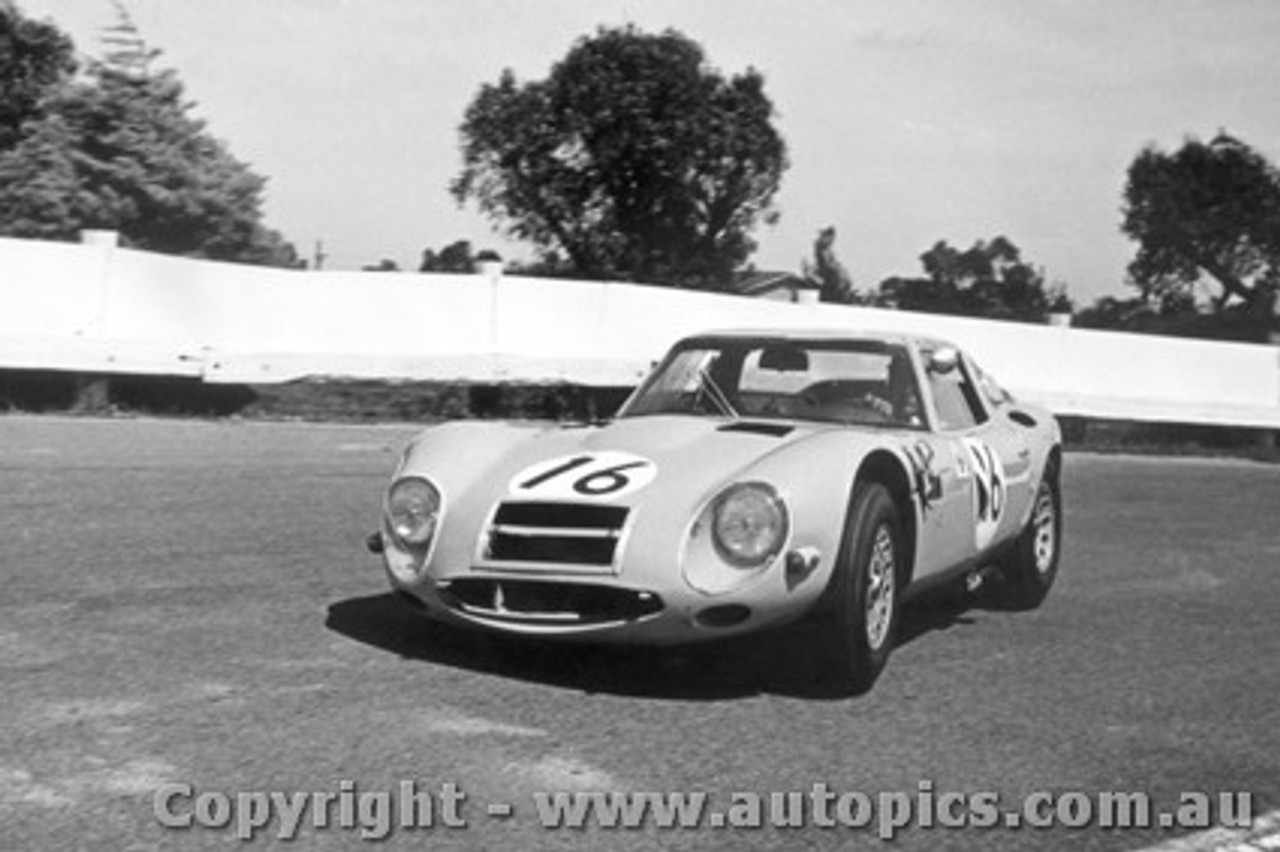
(119,149)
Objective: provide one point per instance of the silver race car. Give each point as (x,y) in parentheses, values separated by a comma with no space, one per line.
(753,479)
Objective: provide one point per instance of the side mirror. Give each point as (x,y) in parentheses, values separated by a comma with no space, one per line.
(944,360)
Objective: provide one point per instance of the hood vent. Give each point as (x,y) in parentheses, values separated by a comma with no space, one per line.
(756,427)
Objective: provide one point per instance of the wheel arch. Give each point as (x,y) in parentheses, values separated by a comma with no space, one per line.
(884,467)
(1053,469)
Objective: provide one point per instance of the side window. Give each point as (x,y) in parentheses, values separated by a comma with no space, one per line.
(995,394)
(956,400)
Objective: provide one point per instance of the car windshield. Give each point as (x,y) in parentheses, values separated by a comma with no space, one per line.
(865,382)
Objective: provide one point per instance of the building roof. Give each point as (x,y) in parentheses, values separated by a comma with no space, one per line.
(760,282)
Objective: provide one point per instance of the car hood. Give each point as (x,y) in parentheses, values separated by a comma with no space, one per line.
(685,449)
(478,464)
(680,442)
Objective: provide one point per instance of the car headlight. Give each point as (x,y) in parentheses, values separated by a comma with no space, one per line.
(413,505)
(749,524)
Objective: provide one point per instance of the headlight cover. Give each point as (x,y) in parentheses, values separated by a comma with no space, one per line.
(749,525)
(413,506)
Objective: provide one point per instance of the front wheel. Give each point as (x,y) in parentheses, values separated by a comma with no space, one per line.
(863,599)
(1032,565)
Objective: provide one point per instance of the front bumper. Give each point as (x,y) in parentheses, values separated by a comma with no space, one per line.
(606,609)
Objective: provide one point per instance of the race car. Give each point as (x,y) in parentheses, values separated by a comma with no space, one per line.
(755,478)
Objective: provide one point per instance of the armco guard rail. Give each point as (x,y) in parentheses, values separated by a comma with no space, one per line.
(98,308)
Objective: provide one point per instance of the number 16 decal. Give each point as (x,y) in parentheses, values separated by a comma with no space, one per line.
(601,475)
(988,490)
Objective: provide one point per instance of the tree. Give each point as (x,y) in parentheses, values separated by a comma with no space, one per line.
(120,150)
(1206,211)
(632,159)
(834,283)
(988,280)
(35,58)
(455,257)
(126,50)
(1176,316)
(1109,312)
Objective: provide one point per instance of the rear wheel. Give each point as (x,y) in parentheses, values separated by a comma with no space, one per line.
(863,600)
(1032,565)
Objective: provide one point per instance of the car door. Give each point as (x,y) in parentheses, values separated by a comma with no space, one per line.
(1010,454)
(946,453)
(989,482)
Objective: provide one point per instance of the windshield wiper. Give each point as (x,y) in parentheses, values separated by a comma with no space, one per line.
(717,395)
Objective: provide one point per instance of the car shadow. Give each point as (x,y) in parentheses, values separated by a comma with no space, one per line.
(777,662)
(712,672)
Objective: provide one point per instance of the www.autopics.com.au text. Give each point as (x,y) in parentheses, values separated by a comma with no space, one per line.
(376,814)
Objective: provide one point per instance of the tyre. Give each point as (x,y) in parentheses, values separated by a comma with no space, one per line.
(1032,565)
(862,609)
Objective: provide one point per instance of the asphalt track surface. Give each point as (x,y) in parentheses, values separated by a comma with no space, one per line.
(190,602)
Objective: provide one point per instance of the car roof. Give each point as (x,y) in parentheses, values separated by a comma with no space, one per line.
(819,333)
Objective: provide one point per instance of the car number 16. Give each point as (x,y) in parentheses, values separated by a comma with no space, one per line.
(603,475)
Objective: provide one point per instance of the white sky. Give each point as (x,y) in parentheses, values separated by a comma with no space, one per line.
(907,121)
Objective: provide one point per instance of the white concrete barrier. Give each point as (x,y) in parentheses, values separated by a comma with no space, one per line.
(98,308)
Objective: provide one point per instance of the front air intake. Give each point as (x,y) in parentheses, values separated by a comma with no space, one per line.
(545,536)
(549,603)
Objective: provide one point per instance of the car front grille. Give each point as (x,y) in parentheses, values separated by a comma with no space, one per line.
(540,602)
(550,536)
